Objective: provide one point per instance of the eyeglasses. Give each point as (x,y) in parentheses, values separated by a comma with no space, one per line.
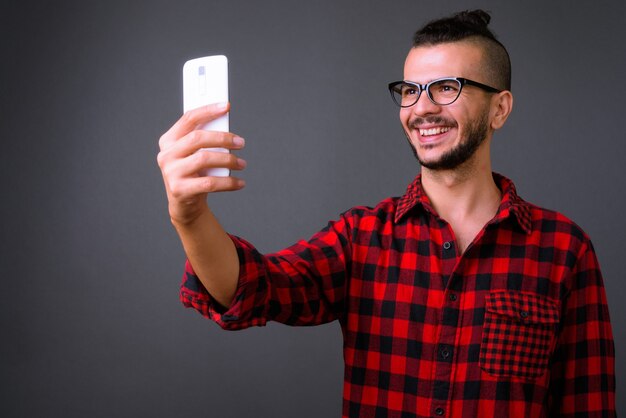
(443,91)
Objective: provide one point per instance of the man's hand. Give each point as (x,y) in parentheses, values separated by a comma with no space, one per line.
(208,247)
(181,161)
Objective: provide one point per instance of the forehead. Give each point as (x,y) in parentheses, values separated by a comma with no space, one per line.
(457,59)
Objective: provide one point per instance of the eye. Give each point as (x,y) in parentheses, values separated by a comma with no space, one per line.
(448,87)
(409,90)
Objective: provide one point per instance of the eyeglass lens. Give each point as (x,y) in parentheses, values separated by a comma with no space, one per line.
(441,92)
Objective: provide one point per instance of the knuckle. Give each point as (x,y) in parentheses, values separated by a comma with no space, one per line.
(165,141)
(195,137)
(167,172)
(233,160)
(200,158)
(208,184)
(188,117)
(175,189)
(163,160)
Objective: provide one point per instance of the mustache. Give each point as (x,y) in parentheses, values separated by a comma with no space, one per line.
(418,121)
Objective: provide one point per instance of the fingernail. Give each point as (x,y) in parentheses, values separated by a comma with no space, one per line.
(238,141)
(241,163)
(222,105)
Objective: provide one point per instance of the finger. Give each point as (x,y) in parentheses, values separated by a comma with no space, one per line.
(199,139)
(190,120)
(203,185)
(199,162)
(206,159)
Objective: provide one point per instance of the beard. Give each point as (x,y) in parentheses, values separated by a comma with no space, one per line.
(475,134)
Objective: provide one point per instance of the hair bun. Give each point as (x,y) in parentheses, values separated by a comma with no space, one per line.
(478,18)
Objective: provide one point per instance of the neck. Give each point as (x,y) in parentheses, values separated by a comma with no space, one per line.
(466,192)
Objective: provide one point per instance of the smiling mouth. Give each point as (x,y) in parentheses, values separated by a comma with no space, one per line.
(434,131)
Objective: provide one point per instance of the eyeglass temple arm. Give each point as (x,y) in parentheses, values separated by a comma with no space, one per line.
(477,84)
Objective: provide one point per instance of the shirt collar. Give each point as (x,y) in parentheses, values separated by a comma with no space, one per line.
(511,204)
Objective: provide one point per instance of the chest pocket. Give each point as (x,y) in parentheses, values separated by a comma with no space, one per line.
(519,334)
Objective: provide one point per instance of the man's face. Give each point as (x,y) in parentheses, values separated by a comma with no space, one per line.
(444,137)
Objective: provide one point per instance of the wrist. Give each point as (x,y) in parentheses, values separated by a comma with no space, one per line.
(188,217)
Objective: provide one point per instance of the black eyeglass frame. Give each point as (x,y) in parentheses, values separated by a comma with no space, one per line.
(426,87)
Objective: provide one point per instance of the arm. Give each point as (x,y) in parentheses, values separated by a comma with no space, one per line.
(583,372)
(304,284)
(209,249)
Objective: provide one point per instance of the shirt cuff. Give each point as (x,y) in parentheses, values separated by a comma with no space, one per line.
(247,308)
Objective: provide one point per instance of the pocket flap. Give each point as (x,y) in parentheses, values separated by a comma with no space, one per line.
(524,307)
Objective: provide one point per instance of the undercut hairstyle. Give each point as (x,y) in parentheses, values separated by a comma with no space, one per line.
(471,26)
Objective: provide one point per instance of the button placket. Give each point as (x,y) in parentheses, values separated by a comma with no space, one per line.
(443,354)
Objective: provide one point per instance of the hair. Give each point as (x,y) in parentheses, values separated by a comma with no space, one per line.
(470,26)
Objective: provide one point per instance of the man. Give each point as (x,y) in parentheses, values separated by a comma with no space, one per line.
(459,298)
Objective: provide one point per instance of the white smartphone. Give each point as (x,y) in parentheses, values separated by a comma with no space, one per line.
(205,81)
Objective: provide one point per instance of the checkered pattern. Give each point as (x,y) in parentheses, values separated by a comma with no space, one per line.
(519,334)
(516,326)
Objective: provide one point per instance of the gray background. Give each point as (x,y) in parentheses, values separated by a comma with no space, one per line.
(90,321)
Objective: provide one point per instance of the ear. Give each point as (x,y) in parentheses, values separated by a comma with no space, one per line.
(501,107)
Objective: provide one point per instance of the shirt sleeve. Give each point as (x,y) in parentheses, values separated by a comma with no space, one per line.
(583,372)
(304,284)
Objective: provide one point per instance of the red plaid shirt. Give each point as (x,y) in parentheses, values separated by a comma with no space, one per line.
(516,326)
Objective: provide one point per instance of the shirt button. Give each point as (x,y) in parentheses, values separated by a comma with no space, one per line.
(445,352)
(447,245)
(524,314)
(453,297)
(439,411)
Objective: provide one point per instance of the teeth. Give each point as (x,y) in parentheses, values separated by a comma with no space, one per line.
(433,131)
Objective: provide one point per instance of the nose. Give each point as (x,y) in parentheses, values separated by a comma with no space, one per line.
(425,106)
